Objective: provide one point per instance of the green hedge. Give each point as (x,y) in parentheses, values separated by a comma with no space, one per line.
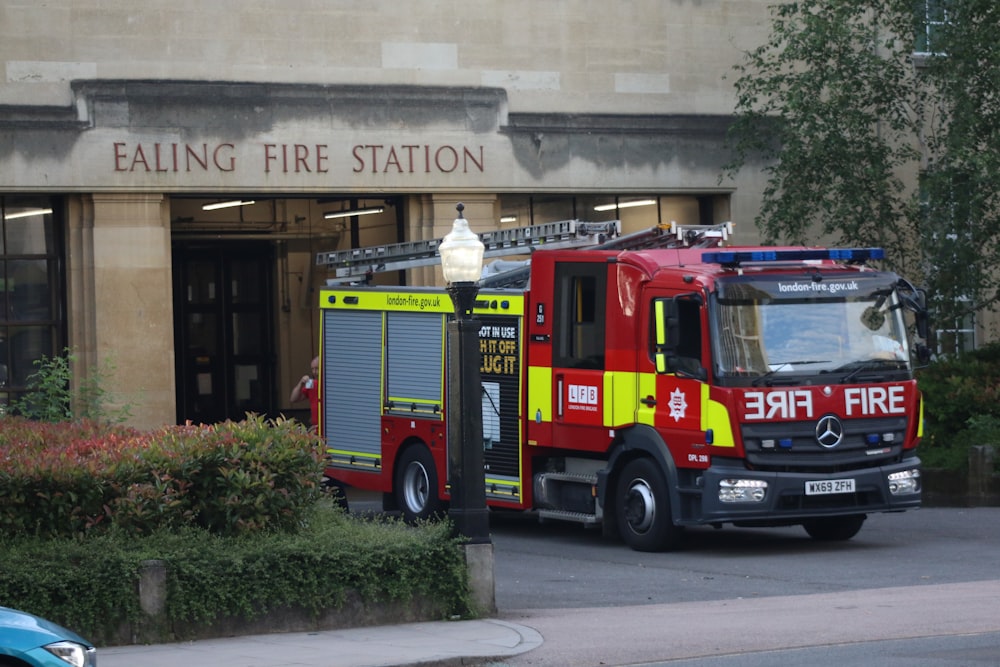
(234,510)
(961,406)
(90,584)
(73,478)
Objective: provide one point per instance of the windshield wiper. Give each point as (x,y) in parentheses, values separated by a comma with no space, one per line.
(866,365)
(778,365)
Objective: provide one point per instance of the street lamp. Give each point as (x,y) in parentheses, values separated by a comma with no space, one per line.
(462,264)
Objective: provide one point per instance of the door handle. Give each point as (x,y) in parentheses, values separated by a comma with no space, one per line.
(649,401)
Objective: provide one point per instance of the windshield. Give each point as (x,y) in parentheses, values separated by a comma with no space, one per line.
(774,326)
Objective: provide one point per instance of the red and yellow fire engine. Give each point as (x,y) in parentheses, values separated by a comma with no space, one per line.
(644,389)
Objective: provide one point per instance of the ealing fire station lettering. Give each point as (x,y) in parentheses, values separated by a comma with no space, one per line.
(798,403)
(159,157)
(174,157)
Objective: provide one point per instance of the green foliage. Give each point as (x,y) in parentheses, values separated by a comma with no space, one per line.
(90,584)
(52,395)
(73,478)
(234,510)
(836,107)
(961,406)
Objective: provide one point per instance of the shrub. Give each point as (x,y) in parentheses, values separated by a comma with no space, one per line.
(72,478)
(961,406)
(52,397)
(90,584)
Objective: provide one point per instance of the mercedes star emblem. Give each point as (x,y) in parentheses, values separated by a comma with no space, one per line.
(829,431)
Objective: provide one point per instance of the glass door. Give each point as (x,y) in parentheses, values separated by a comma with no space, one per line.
(223,331)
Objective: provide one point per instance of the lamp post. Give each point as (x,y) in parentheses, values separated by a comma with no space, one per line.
(462,264)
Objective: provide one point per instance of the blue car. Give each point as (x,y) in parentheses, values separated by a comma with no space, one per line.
(30,641)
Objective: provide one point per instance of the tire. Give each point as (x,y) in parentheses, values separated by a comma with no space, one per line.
(416,485)
(337,492)
(642,508)
(834,528)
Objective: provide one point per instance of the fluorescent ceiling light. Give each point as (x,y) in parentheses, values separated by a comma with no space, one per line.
(625,204)
(508,218)
(347,214)
(226,204)
(27,213)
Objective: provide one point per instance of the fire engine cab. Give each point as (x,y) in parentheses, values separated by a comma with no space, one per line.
(643,387)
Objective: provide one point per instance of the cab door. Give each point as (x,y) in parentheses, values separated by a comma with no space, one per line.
(672,386)
(578,354)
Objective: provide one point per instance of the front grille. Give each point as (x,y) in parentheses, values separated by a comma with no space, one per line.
(794,448)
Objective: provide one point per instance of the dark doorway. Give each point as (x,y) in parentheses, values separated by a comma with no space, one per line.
(223,333)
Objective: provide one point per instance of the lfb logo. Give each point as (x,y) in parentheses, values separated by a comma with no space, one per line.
(583,394)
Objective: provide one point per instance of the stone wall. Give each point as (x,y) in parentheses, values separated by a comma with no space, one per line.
(980,487)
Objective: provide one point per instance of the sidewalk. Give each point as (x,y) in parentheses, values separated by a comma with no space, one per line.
(429,644)
(598,637)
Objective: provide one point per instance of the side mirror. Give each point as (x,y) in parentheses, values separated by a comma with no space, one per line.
(922,318)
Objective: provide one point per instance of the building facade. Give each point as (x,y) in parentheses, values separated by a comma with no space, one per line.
(335,125)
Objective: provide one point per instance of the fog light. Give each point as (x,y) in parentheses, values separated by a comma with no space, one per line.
(907,481)
(742,490)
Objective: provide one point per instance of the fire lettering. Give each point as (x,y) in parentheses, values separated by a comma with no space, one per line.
(795,404)
(296,158)
(875,400)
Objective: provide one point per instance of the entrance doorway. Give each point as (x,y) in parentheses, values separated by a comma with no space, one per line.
(223,332)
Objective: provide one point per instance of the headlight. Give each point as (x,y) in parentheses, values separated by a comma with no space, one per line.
(73,653)
(742,490)
(907,481)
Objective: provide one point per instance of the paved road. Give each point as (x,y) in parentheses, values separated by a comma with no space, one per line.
(564,565)
(918,589)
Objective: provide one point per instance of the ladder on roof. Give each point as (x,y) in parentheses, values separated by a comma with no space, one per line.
(358,263)
(660,236)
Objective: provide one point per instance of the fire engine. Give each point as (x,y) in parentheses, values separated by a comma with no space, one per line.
(643,383)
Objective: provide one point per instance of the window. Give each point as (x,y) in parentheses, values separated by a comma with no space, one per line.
(954,259)
(579,325)
(30,290)
(958,336)
(931,17)
(636,211)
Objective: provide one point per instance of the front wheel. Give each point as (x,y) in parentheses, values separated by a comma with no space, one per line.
(834,528)
(642,508)
(416,485)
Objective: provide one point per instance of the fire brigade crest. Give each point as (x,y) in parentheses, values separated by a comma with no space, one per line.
(678,405)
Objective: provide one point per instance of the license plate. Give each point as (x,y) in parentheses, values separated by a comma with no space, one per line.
(829,486)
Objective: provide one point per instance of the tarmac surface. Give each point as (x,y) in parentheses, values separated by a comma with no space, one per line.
(605,636)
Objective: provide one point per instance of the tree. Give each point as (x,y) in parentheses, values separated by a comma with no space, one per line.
(878,122)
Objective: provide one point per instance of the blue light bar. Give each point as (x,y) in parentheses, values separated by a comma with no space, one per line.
(737,257)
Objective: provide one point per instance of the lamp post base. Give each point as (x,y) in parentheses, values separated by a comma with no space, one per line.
(472,524)
(466,472)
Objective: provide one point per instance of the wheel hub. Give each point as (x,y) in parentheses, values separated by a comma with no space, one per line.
(640,507)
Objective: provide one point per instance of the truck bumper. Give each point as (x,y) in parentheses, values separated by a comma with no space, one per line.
(786,501)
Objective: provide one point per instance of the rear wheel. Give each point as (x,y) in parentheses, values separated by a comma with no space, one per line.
(834,528)
(642,508)
(337,492)
(416,485)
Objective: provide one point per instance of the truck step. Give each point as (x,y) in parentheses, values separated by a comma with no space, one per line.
(578,478)
(562,515)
